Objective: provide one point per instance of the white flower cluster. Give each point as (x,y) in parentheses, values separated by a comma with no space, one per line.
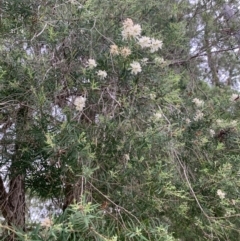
(159,61)
(153,44)
(135,67)
(212,132)
(152,96)
(130,30)
(188,121)
(91,63)
(144,42)
(124,51)
(157,116)
(198,102)
(234,97)
(102,74)
(198,115)
(144,61)
(114,50)
(80,103)
(126,157)
(221,194)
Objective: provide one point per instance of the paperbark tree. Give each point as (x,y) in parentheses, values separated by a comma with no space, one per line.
(112,118)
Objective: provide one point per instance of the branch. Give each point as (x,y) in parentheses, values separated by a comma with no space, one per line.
(115,203)
(200,54)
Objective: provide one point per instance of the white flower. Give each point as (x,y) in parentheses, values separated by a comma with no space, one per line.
(97,119)
(102,74)
(159,61)
(92,63)
(125,51)
(114,49)
(152,96)
(144,61)
(197,102)
(198,115)
(130,30)
(234,97)
(144,42)
(155,45)
(80,103)
(126,157)
(136,30)
(157,115)
(127,23)
(135,67)
(212,132)
(188,121)
(221,194)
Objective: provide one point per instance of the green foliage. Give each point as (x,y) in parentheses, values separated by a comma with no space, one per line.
(146,153)
(85,221)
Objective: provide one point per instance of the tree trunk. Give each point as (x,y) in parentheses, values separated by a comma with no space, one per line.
(210,59)
(12,203)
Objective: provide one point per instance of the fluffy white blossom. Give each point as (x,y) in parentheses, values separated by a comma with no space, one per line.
(114,49)
(152,96)
(126,157)
(234,97)
(92,63)
(157,116)
(197,102)
(135,67)
(130,30)
(136,30)
(155,45)
(159,61)
(198,115)
(221,194)
(144,42)
(188,121)
(144,61)
(127,23)
(102,74)
(211,132)
(80,103)
(125,51)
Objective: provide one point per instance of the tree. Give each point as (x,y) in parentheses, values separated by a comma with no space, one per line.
(105,111)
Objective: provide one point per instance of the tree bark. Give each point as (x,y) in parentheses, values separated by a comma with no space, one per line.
(12,203)
(211,61)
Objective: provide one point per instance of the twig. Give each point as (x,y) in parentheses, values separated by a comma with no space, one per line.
(35,36)
(114,203)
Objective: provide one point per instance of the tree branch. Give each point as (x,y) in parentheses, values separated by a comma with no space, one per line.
(200,54)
